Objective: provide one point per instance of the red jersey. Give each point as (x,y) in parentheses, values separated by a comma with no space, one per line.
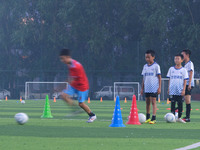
(78,75)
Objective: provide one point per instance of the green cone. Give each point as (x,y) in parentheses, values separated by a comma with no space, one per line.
(47,110)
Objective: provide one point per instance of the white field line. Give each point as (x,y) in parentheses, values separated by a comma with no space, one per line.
(195,145)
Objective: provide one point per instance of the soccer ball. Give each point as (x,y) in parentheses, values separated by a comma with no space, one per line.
(23,102)
(142,117)
(170,118)
(165,116)
(21,118)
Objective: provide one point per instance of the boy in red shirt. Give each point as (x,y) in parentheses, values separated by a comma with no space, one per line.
(78,83)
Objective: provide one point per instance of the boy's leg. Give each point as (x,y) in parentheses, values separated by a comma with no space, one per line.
(66,96)
(82,96)
(173,103)
(188,105)
(148,107)
(180,108)
(153,100)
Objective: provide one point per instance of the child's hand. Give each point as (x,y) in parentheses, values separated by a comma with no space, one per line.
(183,93)
(141,92)
(189,87)
(159,91)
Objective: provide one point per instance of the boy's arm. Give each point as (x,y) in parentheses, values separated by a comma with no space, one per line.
(159,88)
(142,89)
(184,86)
(190,80)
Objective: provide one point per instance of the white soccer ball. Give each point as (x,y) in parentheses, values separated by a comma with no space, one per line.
(23,102)
(165,116)
(142,117)
(21,118)
(170,118)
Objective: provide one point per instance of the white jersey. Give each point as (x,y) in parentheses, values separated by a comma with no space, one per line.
(177,77)
(189,66)
(150,76)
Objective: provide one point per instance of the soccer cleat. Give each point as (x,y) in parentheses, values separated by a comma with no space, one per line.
(152,122)
(186,119)
(180,120)
(147,121)
(91,119)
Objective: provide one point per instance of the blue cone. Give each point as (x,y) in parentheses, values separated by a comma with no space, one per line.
(117,115)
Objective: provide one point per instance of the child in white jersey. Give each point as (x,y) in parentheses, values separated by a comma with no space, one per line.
(177,83)
(151,84)
(189,66)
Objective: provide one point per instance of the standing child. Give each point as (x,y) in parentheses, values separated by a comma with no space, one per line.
(189,66)
(151,84)
(78,83)
(177,83)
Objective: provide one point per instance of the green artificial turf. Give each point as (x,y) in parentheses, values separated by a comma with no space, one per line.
(73,133)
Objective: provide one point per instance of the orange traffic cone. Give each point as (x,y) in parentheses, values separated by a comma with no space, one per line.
(88,99)
(125,101)
(115,99)
(20,98)
(133,117)
(6,98)
(158,100)
(54,100)
(101,100)
(168,101)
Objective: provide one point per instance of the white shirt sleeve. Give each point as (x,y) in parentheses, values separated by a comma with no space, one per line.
(143,71)
(169,73)
(158,72)
(185,74)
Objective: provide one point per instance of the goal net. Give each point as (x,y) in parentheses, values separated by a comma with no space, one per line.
(39,90)
(195,91)
(127,90)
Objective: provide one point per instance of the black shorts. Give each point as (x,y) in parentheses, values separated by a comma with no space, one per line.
(176,98)
(187,92)
(151,95)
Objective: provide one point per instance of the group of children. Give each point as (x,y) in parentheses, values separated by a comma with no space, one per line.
(181,83)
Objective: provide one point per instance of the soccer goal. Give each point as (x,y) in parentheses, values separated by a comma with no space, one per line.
(39,90)
(195,91)
(127,90)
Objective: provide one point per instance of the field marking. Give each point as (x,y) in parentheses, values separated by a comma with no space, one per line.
(195,145)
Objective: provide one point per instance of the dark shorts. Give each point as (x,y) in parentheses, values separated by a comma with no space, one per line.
(187,92)
(176,98)
(151,95)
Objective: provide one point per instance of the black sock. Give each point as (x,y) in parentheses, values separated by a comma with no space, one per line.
(91,114)
(180,109)
(173,107)
(147,116)
(188,109)
(153,118)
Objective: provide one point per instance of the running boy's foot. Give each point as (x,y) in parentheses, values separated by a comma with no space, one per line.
(91,119)
(147,121)
(152,122)
(180,120)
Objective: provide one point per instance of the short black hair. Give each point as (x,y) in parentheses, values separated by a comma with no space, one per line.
(180,55)
(152,52)
(187,51)
(65,52)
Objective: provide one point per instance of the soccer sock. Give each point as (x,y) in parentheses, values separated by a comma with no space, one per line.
(91,114)
(173,107)
(153,118)
(147,116)
(188,109)
(180,109)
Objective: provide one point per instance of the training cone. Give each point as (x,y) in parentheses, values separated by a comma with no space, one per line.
(6,98)
(54,99)
(101,100)
(117,115)
(20,99)
(133,117)
(47,110)
(168,101)
(88,99)
(125,101)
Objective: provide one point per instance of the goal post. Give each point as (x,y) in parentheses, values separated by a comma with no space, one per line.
(127,90)
(38,90)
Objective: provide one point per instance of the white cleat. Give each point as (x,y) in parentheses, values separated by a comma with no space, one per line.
(180,120)
(91,119)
